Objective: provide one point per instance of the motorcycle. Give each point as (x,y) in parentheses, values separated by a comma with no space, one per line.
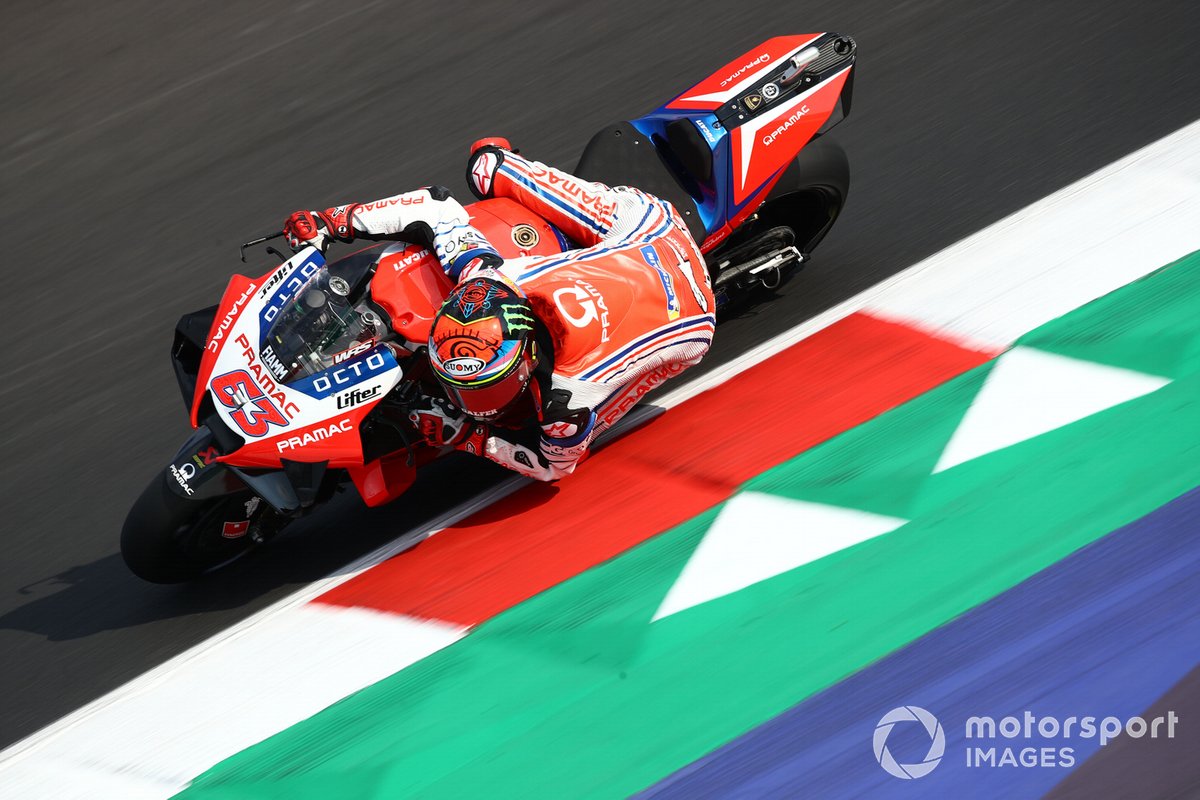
(301,380)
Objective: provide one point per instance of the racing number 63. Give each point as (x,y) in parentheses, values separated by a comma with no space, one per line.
(254,412)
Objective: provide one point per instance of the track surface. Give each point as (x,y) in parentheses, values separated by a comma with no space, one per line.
(140,144)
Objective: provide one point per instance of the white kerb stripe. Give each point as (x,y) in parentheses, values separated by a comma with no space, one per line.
(1076,245)
(916,296)
(962,294)
(224,700)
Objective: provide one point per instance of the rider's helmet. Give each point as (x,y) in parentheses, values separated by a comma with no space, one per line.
(481,346)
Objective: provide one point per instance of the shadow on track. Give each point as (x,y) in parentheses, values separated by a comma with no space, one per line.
(103,595)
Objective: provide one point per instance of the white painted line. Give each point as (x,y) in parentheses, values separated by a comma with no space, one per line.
(170,725)
(964,294)
(1053,268)
(1076,245)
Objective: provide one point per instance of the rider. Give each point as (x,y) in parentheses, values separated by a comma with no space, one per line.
(538,355)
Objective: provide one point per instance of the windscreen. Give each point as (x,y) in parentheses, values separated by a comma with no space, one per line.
(318,328)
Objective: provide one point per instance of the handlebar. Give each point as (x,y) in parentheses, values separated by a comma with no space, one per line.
(259,240)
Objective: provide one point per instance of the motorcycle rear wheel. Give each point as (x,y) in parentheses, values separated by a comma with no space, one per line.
(172,539)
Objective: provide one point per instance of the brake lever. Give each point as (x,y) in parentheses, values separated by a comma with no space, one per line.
(260,240)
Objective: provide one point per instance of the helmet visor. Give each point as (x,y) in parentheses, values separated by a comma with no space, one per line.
(496,397)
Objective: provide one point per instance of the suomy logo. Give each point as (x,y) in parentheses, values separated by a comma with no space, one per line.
(763,58)
(463,366)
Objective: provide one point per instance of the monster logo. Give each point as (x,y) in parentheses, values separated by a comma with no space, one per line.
(516,317)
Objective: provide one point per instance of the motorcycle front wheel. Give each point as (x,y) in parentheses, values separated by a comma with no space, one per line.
(172,539)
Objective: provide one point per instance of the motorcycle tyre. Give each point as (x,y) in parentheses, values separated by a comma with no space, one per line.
(173,539)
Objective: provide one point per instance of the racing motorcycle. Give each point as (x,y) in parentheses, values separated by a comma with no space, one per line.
(301,380)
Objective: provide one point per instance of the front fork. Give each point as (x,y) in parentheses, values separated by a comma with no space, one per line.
(195,473)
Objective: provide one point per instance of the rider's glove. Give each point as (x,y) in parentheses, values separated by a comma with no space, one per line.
(305,228)
(474,440)
(492,141)
(440,422)
(486,157)
(317,228)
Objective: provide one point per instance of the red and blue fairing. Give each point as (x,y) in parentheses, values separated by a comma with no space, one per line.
(268,411)
(732,136)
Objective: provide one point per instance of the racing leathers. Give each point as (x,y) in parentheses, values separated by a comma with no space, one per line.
(627,310)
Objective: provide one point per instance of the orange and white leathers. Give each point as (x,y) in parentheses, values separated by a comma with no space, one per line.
(627,312)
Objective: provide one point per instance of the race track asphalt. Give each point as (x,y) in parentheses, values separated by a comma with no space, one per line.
(141,142)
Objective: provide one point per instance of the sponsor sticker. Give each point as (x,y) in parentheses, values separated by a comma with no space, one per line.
(356,396)
(273,362)
(318,434)
(463,367)
(584,306)
(291,282)
(762,58)
(708,134)
(650,255)
(796,116)
(205,457)
(356,349)
(346,375)
(181,479)
(235,530)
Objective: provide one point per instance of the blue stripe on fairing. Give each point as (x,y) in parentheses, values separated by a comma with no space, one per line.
(564,243)
(624,352)
(1104,632)
(346,375)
